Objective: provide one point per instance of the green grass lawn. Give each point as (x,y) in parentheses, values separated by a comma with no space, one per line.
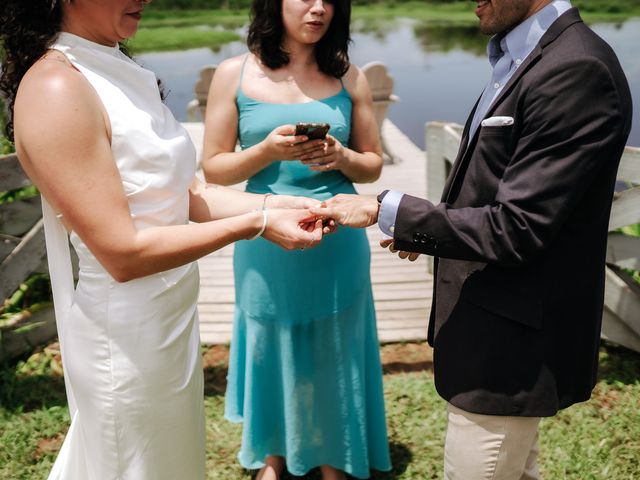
(599,439)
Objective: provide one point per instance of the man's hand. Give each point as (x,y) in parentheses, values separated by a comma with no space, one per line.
(388,242)
(357,211)
(293,228)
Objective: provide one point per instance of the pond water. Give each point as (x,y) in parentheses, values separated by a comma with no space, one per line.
(439,71)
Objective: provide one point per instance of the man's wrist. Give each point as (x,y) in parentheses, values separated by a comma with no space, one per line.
(389,201)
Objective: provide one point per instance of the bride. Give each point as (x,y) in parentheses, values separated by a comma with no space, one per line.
(117,174)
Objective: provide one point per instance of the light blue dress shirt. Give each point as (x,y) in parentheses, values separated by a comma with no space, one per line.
(506,53)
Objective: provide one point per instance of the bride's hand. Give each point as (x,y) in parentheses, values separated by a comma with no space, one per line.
(293,228)
(290,201)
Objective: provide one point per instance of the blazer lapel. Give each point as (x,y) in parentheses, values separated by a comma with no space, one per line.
(467,146)
(464,142)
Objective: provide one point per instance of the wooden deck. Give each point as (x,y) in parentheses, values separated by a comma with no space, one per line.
(401,289)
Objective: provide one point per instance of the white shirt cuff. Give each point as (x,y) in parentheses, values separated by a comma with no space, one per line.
(389,211)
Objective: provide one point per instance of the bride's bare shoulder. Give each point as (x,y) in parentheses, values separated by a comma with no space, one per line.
(50,79)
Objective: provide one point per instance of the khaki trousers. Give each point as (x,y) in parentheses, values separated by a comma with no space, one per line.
(490,447)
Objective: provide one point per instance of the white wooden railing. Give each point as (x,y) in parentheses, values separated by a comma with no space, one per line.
(621,319)
(22,252)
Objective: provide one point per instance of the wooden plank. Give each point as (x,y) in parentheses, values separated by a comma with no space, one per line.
(622,299)
(216,327)
(417,322)
(417,313)
(215,338)
(616,331)
(625,209)
(402,335)
(7,244)
(629,170)
(22,261)
(624,251)
(17,218)
(216,317)
(423,286)
(11,174)
(441,152)
(403,276)
(405,304)
(207,306)
(32,330)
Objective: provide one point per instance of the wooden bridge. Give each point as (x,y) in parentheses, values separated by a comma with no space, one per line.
(401,289)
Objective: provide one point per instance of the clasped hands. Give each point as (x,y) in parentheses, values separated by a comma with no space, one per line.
(319,155)
(316,219)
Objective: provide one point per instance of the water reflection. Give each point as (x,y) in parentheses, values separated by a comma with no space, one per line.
(439,69)
(445,38)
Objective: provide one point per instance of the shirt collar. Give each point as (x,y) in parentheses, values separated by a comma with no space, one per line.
(521,41)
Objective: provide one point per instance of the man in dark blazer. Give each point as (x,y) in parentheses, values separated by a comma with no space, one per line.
(519,239)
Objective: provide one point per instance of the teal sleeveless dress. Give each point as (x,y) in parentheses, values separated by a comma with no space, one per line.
(304,372)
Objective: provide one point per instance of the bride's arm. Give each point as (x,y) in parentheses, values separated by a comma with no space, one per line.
(212,202)
(63,144)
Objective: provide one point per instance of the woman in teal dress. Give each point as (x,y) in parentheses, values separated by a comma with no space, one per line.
(304,372)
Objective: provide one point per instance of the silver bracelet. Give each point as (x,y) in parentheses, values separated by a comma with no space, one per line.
(264,200)
(264,225)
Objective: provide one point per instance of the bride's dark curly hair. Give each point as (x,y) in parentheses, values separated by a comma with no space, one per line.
(28,28)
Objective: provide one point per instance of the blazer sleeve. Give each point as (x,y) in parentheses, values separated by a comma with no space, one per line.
(572,124)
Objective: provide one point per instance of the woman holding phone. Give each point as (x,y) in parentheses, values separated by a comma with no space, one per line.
(305,375)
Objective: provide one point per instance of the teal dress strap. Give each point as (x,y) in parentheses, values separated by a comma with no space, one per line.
(244,64)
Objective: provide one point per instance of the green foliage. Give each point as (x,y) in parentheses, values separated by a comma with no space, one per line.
(198,4)
(33,294)
(634,231)
(587,6)
(169,38)
(225,19)
(19,194)
(5,145)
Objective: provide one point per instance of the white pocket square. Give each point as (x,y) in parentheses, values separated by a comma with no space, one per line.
(497,122)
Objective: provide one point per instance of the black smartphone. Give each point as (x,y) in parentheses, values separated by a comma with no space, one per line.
(314,131)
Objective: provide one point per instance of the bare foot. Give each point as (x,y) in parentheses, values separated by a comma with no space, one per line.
(272,469)
(330,473)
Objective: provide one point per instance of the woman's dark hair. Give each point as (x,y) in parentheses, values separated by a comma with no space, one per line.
(28,28)
(266,31)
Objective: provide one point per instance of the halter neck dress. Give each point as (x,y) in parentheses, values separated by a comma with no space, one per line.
(131,351)
(304,374)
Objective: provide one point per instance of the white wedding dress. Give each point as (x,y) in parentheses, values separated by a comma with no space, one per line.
(131,351)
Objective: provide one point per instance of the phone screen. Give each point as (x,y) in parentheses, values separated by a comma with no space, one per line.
(313,131)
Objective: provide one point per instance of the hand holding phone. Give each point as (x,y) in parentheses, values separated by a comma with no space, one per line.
(313,131)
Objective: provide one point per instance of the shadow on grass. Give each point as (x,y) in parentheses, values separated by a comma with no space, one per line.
(401,457)
(618,365)
(215,380)
(407,367)
(32,392)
